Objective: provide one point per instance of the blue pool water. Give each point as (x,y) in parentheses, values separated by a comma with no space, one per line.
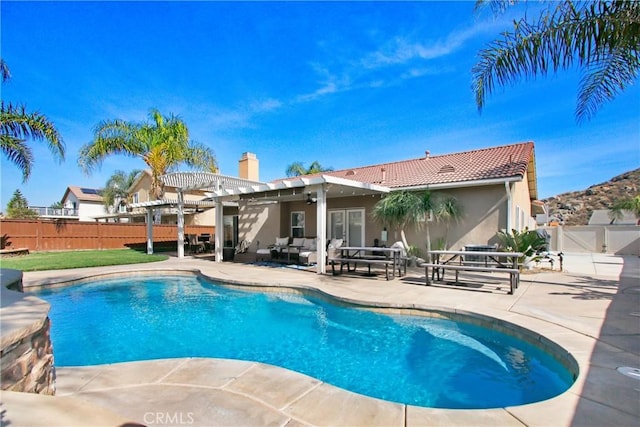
(407,359)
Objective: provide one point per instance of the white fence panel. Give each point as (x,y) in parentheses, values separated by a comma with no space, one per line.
(614,239)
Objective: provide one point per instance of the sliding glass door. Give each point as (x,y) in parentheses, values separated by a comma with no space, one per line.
(347,224)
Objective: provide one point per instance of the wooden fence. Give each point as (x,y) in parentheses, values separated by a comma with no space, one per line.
(56,235)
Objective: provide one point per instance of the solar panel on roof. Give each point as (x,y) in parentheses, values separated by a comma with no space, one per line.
(89,191)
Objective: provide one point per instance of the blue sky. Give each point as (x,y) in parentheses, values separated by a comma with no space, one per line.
(346,84)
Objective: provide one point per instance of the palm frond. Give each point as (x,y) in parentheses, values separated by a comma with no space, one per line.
(16,122)
(295,169)
(110,137)
(592,35)
(17,152)
(496,6)
(4,70)
(604,80)
(201,157)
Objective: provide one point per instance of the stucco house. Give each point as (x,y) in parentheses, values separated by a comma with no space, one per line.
(494,186)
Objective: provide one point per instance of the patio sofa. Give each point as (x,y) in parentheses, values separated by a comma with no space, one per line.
(302,249)
(308,252)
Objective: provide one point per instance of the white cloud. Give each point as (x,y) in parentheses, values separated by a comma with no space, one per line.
(402,57)
(265,106)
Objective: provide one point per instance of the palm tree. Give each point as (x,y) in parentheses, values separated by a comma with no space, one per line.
(162,144)
(402,208)
(447,210)
(397,210)
(117,186)
(600,37)
(441,208)
(298,169)
(630,204)
(17,126)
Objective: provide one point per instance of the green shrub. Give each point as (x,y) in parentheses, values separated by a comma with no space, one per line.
(525,241)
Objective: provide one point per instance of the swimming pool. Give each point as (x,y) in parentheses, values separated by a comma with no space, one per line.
(415,360)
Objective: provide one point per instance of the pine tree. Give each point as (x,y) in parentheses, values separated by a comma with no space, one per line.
(18,207)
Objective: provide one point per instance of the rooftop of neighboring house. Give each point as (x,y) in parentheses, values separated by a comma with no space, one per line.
(507,161)
(83,194)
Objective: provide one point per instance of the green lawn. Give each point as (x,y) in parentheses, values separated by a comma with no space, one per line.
(77,259)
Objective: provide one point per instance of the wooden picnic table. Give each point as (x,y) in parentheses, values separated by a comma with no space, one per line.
(368,255)
(502,262)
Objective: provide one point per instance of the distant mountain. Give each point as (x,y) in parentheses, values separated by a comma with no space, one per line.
(575,208)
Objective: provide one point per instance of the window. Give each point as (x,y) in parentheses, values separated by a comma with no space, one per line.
(135,198)
(297,224)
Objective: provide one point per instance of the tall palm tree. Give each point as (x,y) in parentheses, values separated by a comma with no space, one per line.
(600,37)
(17,126)
(117,187)
(298,169)
(630,204)
(163,144)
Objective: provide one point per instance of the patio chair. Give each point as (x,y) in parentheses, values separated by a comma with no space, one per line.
(195,246)
(205,238)
(272,251)
(308,254)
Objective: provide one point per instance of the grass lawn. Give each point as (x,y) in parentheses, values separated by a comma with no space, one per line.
(77,259)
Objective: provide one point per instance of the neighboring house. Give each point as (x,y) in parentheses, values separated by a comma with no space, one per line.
(495,188)
(602,217)
(86,203)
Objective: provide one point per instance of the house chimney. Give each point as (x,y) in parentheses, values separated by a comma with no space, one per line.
(248,167)
(426,154)
(384,174)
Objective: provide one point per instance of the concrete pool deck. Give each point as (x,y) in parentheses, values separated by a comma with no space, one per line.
(592,310)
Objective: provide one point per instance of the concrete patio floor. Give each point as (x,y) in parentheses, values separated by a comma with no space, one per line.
(592,309)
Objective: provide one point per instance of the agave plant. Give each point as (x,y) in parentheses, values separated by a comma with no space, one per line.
(529,242)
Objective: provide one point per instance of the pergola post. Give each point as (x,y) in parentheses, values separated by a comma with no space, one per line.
(219,234)
(321,229)
(150,231)
(180,224)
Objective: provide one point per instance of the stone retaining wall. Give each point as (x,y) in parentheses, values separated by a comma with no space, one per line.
(26,353)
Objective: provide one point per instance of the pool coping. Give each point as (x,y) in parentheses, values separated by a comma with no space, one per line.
(558,410)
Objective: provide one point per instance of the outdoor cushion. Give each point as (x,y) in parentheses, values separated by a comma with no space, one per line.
(282,241)
(310,244)
(298,241)
(335,243)
(400,246)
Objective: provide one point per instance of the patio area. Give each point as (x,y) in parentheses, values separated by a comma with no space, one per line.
(591,310)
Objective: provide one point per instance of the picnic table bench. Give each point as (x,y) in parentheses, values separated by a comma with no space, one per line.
(494,262)
(368,256)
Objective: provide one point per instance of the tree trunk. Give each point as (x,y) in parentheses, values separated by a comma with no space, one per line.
(404,239)
(428,242)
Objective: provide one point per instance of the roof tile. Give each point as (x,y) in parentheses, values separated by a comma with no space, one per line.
(488,163)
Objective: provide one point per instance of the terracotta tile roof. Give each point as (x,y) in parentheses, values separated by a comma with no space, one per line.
(485,164)
(84,194)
